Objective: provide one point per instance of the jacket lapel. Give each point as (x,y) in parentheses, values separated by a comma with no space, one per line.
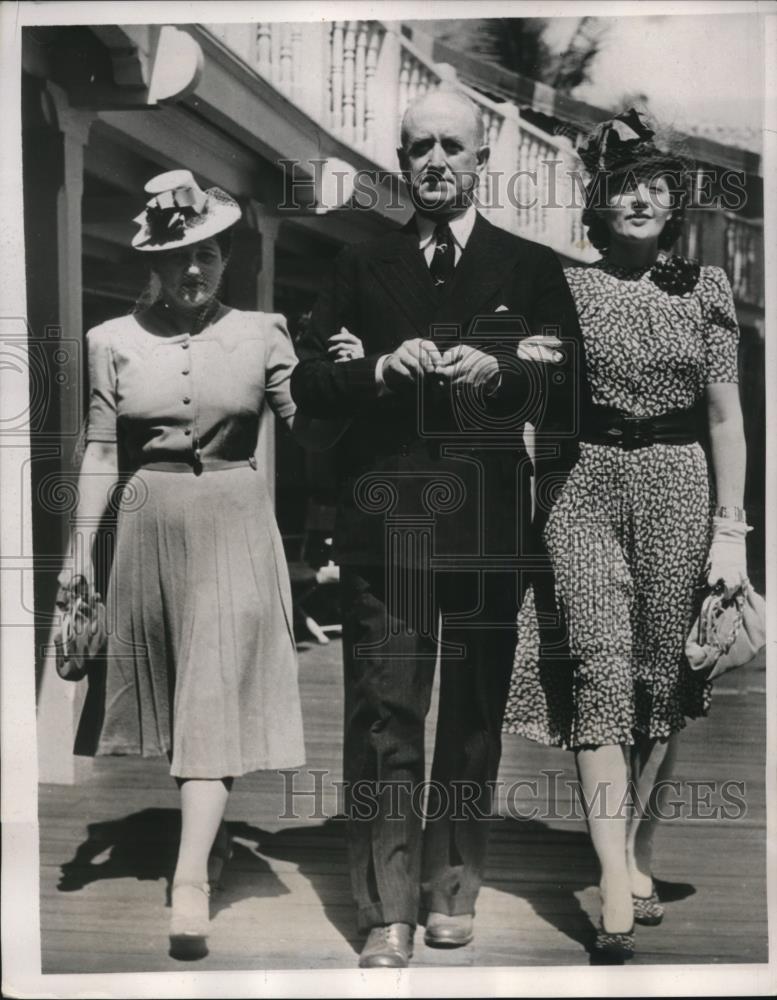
(401,269)
(478,275)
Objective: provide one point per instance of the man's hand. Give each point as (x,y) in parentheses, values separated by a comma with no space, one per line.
(410,362)
(462,365)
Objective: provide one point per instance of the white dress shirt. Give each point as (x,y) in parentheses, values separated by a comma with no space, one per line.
(461,228)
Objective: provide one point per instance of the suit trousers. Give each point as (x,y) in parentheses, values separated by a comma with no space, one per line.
(416,847)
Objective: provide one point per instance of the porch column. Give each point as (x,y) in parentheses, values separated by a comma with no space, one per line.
(59,703)
(266,224)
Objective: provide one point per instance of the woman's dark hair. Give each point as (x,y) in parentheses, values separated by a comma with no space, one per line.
(604,185)
(224,240)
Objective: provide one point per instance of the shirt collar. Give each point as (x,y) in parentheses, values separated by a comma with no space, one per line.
(461,228)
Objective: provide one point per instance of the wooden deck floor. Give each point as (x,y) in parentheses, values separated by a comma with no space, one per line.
(108,845)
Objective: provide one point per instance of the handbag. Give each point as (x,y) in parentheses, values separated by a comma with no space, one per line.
(728,633)
(80,634)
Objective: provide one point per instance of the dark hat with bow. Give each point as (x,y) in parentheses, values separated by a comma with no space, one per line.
(180,212)
(625,144)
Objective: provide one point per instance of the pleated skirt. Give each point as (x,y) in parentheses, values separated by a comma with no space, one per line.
(201,663)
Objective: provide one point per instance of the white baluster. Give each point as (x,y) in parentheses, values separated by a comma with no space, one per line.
(404,84)
(491,124)
(486,192)
(337,75)
(503,136)
(263,49)
(551,229)
(534,215)
(349,58)
(370,70)
(521,187)
(360,84)
(275,35)
(414,81)
(285,73)
(296,62)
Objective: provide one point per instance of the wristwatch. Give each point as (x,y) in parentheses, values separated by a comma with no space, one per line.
(732,513)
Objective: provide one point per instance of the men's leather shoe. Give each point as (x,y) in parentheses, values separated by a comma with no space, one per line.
(388,946)
(443,931)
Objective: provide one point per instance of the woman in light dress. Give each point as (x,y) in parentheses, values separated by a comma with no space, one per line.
(201,661)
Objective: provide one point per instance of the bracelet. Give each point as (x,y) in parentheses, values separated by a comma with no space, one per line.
(731,513)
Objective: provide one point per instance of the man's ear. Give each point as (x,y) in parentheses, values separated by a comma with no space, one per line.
(482,156)
(404,163)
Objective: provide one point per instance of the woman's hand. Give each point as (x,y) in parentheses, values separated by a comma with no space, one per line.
(76,583)
(541,349)
(345,346)
(727,564)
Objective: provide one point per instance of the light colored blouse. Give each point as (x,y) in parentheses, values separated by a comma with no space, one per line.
(180,397)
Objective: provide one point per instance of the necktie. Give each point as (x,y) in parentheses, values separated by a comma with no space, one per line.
(444,258)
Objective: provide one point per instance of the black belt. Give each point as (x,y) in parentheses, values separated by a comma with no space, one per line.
(603,425)
(197,466)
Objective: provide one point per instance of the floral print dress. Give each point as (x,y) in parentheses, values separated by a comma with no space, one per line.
(629,534)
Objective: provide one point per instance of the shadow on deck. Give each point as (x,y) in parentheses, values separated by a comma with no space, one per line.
(108,850)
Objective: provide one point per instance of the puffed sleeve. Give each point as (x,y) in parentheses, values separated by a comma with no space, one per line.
(101,420)
(280,361)
(721,327)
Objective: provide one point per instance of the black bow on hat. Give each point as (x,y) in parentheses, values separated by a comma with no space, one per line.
(621,142)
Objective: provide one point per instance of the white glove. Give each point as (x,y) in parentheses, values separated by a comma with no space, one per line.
(727,562)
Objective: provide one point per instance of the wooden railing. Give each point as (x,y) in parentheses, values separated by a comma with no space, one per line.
(356,78)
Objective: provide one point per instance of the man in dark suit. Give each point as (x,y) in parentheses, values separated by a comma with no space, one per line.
(434,515)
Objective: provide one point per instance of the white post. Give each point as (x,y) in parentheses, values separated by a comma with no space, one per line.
(59,703)
(267,225)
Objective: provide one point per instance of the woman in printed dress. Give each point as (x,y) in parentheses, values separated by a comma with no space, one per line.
(201,661)
(630,537)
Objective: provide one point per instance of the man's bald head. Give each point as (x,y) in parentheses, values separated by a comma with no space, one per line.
(446,102)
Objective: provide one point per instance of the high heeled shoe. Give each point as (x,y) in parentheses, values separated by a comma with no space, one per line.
(613,949)
(648,909)
(189,920)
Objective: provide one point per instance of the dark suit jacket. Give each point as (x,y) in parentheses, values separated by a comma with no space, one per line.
(429,452)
